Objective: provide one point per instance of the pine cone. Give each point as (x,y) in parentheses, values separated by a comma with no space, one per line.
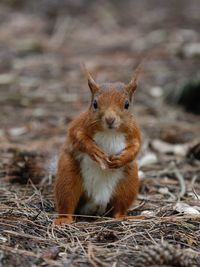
(165,255)
(26,165)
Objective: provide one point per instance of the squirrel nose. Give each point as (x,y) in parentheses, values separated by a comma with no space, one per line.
(110,121)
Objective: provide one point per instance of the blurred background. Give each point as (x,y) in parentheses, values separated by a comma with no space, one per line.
(43,42)
(42,87)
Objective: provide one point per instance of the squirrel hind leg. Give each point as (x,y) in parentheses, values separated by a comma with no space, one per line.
(68,189)
(125,193)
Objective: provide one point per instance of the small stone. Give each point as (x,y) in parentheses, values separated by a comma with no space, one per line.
(148,213)
(148,159)
(182,207)
(192,50)
(156,91)
(3,239)
(163,190)
(17,131)
(6,79)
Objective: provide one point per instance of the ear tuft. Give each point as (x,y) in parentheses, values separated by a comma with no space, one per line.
(91,83)
(132,85)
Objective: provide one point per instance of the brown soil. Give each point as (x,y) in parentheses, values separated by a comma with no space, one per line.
(42,44)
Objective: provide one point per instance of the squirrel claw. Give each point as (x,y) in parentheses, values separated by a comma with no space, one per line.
(115,163)
(109,161)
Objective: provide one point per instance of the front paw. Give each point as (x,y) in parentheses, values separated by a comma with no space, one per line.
(101,158)
(115,162)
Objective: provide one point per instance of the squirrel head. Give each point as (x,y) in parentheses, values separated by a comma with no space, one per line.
(111,102)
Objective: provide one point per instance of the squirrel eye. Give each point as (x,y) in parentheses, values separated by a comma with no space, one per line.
(95,105)
(126,104)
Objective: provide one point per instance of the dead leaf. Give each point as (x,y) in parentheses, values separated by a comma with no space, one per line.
(184,208)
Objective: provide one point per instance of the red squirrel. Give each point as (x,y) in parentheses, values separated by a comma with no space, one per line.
(97,170)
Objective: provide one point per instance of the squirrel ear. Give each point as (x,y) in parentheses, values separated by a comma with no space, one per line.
(91,83)
(132,85)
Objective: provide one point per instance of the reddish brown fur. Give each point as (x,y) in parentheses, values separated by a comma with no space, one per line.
(68,185)
(126,191)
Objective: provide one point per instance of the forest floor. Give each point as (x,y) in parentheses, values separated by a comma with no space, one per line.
(42,87)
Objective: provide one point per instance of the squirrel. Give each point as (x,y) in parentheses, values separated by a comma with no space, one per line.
(97,169)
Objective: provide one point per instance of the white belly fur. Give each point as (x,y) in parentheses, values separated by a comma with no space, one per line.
(99,184)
